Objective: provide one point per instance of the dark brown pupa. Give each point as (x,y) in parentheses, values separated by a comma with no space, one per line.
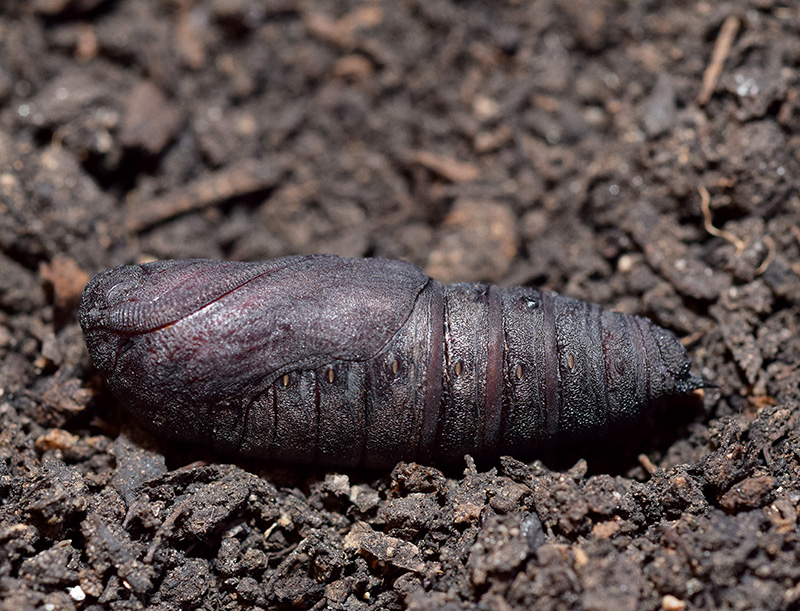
(366,362)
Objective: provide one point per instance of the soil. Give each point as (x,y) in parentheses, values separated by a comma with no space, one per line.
(642,155)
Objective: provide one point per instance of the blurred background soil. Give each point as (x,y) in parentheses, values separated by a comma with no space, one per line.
(642,155)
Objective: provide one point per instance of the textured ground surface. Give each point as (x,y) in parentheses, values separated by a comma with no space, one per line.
(643,155)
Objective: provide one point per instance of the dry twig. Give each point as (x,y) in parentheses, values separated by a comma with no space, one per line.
(770,255)
(451,169)
(242,178)
(721,49)
(705,200)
